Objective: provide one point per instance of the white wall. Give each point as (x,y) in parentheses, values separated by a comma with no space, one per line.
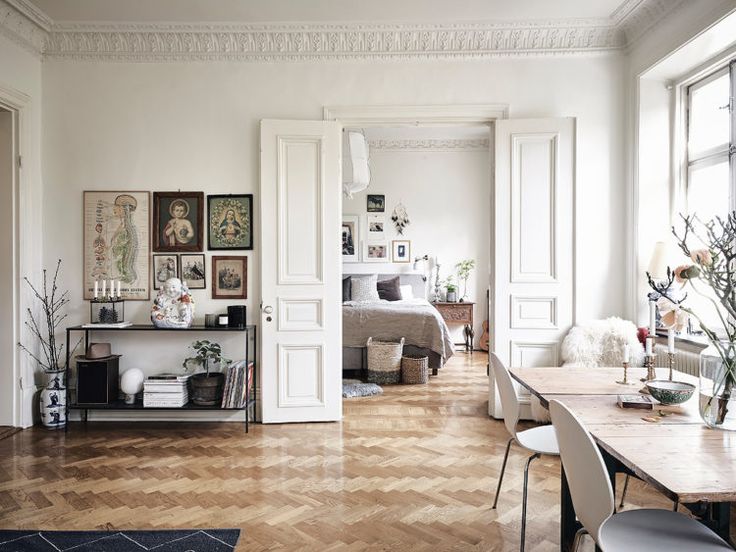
(447,195)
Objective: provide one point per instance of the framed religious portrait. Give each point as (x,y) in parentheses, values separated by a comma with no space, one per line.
(230,221)
(229,277)
(376,203)
(116,243)
(177,221)
(192,270)
(376,253)
(401,251)
(164,267)
(350,238)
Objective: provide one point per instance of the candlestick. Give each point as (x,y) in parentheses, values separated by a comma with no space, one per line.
(625,381)
(648,345)
(112,288)
(96,289)
(651,372)
(104,283)
(671,359)
(652,318)
(671,341)
(627,353)
(119,296)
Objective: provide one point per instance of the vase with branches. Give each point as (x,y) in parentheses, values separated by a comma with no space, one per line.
(464,268)
(711,250)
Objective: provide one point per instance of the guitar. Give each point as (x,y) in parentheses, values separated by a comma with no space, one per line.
(485,338)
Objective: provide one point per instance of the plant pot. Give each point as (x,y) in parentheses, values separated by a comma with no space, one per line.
(451,297)
(52,401)
(207,389)
(718,385)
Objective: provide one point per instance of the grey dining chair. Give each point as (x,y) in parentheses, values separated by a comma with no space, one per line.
(644,530)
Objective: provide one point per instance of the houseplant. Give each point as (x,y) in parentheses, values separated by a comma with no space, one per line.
(451,290)
(711,265)
(464,268)
(206,386)
(50,355)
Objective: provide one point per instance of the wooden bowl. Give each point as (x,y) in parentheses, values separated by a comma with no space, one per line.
(670,392)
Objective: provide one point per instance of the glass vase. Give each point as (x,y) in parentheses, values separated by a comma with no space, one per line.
(718,385)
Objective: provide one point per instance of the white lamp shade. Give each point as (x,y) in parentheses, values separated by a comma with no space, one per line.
(658,262)
(131,382)
(356,174)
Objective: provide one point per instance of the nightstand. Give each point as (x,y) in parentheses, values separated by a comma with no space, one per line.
(459,313)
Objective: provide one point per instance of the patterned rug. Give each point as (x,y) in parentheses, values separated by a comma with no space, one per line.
(179,540)
(352,388)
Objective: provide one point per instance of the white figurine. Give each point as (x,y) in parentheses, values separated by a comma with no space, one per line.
(173,307)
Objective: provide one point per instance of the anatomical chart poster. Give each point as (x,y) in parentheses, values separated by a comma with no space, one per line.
(117,242)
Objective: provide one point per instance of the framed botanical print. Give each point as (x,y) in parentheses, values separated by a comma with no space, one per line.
(376,253)
(350,238)
(376,203)
(164,267)
(230,221)
(177,221)
(401,251)
(192,270)
(229,277)
(117,241)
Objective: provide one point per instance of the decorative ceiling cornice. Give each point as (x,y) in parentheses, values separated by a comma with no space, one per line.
(160,42)
(475,144)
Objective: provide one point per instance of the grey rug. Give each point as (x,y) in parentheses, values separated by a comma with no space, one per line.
(352,388)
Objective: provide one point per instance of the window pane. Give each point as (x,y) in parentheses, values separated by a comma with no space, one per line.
(707,191)
(709,125)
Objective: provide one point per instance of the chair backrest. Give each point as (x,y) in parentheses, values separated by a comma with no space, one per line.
(509,398)
(587,477)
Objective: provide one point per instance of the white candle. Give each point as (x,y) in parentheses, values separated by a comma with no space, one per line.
(649,345)
(96,289)
(671,340)
(627,353)
(119,289)
(112,287)
(652,318)
(104,282)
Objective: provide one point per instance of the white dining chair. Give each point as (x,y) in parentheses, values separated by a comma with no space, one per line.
(644,530)
(537,440)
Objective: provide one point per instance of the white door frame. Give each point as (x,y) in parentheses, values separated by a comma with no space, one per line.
(22,392)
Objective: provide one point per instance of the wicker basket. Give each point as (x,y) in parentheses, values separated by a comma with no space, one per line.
(384,361)
(414,369)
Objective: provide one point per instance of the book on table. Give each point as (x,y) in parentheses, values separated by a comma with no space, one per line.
(643,402)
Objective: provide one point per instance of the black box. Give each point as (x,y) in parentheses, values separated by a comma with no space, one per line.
(236,316)
(97,380)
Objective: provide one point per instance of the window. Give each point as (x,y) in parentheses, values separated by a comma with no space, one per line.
(711,167)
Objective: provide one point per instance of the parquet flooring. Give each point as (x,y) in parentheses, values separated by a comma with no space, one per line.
(413,469)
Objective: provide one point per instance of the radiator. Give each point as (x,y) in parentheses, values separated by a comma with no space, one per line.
(685,361)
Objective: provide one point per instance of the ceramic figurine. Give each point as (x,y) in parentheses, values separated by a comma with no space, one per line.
(173,307)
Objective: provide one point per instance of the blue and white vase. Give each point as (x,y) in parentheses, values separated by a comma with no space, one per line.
(53,401)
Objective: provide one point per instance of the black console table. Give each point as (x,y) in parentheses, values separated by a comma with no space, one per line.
(250,333)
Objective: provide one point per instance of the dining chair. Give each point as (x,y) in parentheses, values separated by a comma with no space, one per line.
(645,530)
(537,440)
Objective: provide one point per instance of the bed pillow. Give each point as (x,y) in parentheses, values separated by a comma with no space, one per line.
(363,288)
(346,289)
(407,292)
(389,290)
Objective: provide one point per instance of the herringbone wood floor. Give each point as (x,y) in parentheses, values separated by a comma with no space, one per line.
(413,469)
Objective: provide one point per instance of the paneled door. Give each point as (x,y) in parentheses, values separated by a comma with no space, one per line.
(301,320)
(534,244)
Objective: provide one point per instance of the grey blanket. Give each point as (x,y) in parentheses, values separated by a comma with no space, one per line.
(418,322)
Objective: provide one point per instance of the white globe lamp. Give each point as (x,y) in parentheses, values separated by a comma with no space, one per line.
(131,383)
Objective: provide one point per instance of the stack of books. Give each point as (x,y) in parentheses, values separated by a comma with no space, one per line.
(165,391)
(238,380)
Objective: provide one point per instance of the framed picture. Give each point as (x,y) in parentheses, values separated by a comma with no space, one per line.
(376,225)
(376,252)
(164,267)
(177,221)
(401,251)
(117,238)
(192,270)
(230,221)
(376,203)
(230,277)
(350,238)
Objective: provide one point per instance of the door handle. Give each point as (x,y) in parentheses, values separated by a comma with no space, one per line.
(268,309)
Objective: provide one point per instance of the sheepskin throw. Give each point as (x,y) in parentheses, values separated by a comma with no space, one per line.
(601,343)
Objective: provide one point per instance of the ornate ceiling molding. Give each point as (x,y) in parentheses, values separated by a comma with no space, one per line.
(478,144)
(160,42)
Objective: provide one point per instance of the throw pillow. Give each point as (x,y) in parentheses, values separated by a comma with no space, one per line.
(364,288)
(407,292)
(346,293)
(389,290)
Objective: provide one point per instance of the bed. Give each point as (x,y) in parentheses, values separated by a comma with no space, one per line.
(415,319)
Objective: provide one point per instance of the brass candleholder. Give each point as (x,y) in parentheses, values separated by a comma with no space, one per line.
(671,362)
(625,381)
(649,364)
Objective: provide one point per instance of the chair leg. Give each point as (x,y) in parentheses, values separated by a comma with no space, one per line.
(523,504)
(578,538)
(623,493)
(503,470)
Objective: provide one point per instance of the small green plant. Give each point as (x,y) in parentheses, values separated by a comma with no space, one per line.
(464,268)
(206,351)
(449,284)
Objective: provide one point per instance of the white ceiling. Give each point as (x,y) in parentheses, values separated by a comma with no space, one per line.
(254,11)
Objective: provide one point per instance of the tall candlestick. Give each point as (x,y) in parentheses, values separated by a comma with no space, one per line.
(627,353)
(112,287)
(649,345)
(119,289)
(104,282)
(96,286)
(671,341)
(652,318)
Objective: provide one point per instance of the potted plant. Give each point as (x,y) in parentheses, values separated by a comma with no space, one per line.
(206,386)
(451,290)
(464,268)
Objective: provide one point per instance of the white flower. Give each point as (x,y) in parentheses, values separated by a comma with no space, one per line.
(672,316)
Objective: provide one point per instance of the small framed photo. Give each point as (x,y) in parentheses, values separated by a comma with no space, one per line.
(230,221)
(164,267)
(192,270)
(376,203)
(350,238)
(177,221)
(229,277)
(376,252)
(401,251)
(376,225)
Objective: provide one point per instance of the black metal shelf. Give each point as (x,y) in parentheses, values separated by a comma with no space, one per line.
(151,327)
(138,405)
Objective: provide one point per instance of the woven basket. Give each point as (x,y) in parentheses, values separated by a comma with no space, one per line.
(414,369)
(384,361)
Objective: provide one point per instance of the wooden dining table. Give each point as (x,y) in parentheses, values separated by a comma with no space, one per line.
(668,447)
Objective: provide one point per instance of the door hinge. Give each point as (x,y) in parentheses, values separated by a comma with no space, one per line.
(20,161)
